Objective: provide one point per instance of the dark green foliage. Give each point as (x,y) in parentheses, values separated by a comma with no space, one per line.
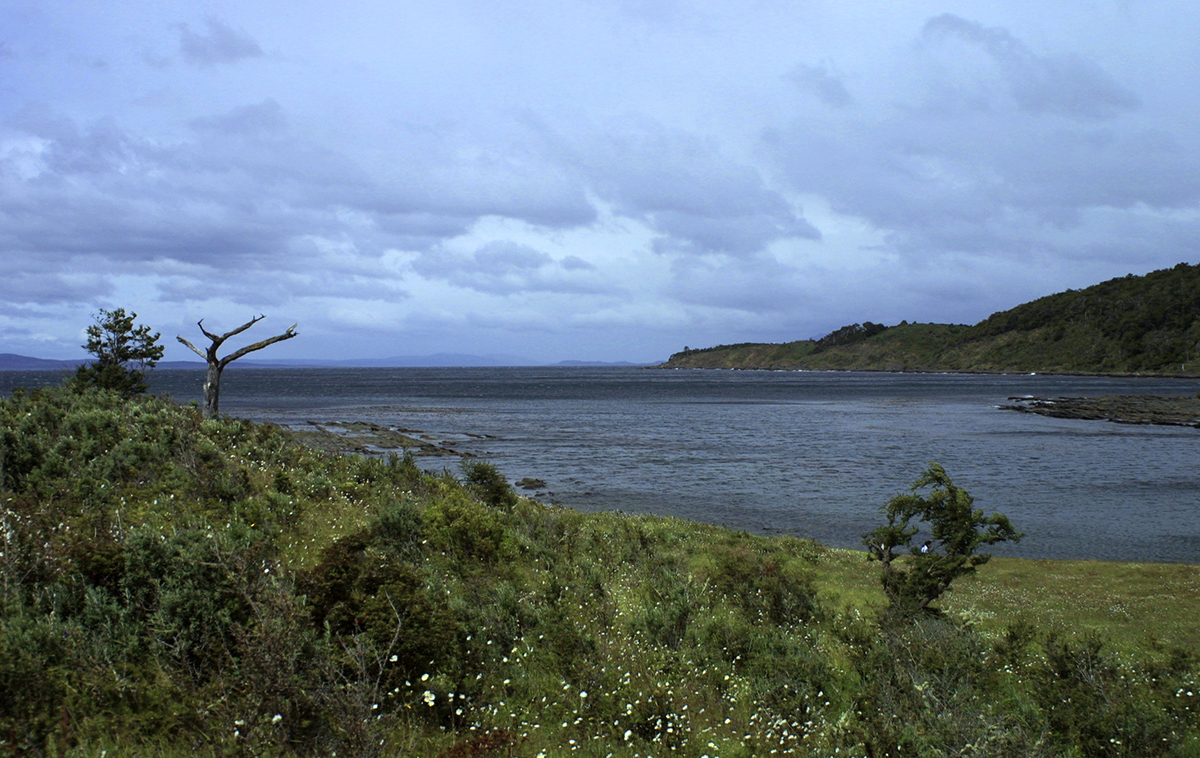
(366,584)
(848,335)
(671,606)
(468,530)
(400,530)
(956,530)
(123,353)
(1134,323)
(1098,707)
(744,355)
(775,587)
(489,484)
(929,688)
(138,636)
(1145,324)
(183,586)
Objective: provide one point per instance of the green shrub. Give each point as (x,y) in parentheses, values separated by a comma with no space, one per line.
(364,586)
(489,484)
(1097,706)
(467,530)
(929,688)
(35,662)
(400,529)
(775,587)
(175,585)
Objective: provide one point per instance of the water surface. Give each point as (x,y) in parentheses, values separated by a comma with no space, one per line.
(811,454)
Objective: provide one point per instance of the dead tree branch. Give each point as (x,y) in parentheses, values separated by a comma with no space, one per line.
(216,365)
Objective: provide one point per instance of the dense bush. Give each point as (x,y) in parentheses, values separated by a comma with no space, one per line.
(1097,706)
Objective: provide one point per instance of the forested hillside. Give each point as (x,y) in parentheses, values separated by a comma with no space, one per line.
(1134,324)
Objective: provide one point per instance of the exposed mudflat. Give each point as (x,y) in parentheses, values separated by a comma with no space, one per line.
(1123,409)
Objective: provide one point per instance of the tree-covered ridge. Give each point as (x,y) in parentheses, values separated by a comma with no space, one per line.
(848,335)
(1132,324)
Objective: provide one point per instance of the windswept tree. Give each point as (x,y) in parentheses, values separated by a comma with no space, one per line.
(212,381)
(123,353)
(957,531)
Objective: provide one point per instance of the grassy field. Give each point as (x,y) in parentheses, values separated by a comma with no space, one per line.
(1139,607)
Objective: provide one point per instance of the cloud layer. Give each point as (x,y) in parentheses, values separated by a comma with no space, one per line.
(587,179)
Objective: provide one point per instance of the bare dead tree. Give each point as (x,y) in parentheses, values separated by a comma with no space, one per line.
(212,382)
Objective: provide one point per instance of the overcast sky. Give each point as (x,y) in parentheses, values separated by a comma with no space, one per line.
(581,179)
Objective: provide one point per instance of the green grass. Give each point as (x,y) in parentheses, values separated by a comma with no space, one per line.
(1141,608)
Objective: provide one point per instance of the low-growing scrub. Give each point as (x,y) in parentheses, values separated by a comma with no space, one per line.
(177,585)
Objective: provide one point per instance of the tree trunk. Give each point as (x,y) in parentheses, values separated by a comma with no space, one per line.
(212,390)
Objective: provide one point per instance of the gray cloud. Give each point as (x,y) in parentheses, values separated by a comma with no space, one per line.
(226,204)
(1064,85)
(995,190)
(685,188)
(759,286)
(502,268)
(505,171)
(737,235)
(575,263)
(989,181)
(276,288)
(818,81)
(49,287)
(500,258)
(221,44)
(101,147)
(265,117)
(99,190)
(628,176)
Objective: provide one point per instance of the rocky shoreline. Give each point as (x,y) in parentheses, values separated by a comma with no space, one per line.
(1123,409)
(366,438)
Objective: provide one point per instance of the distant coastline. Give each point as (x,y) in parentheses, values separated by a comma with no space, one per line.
(1131,326)
(13,362)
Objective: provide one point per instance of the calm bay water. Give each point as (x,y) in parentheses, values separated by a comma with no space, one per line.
(810,454)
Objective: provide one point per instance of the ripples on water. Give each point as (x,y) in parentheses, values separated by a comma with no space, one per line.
(810,454)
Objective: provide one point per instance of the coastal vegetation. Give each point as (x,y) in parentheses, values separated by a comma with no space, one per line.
(1134,324)
(172,584)
(123,352)
(959,529)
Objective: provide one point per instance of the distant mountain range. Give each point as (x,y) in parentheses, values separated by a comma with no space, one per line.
(12,362)
(1130,325)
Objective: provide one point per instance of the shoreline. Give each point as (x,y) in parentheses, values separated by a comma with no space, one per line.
(965,372)
(368,438)
(1122,409)
(374,440)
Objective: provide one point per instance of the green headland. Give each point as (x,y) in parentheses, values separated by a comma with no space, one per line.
(1131,325)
